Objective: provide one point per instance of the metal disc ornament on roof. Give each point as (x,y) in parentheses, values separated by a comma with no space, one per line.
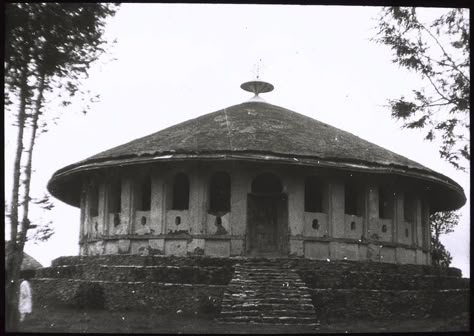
(257,87)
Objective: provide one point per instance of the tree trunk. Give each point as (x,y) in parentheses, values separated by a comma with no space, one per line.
(15,257)
(29,162)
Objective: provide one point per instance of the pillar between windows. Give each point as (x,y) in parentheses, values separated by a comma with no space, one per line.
(197,200)
(103,209)
(417,232)
(295,188)
(398,216)
(83,203)
(157,209)
(372,210)
(239,188)
(336,216)
(127,204)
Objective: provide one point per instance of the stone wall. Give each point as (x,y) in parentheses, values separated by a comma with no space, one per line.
(389,304)
(160,297)
(192,284)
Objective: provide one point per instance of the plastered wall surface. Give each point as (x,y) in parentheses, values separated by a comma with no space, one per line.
(192,231)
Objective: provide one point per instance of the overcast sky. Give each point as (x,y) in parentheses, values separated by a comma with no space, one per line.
(176,62)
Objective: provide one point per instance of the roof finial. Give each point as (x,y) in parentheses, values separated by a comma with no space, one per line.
(257,86)
(257,67)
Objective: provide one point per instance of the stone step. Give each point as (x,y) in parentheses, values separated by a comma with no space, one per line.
(262,305)
(272,319)
(269,295)
(265,272)
(264,292)
(294,294)
(267,283)
(259,312)
(241,288)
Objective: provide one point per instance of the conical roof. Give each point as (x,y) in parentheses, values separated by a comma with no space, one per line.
(259,131)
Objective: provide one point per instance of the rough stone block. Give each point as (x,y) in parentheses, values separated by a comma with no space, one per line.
(111,247)
(196,246)
(362,252)
(157,246)
(96,248)
(388,254)
(139,247)
(124,246)
(405,256)
(217,248)
(296,247)
(176,247)
(82,249)
(316,250)
(236,247)
(421,258)
(343,251)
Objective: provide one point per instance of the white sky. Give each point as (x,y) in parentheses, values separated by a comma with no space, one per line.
(176,62)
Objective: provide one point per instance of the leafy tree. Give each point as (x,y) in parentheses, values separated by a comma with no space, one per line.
(442,223)
(440,53)
(49,48)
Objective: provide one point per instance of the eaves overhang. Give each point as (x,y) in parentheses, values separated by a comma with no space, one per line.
(65,184)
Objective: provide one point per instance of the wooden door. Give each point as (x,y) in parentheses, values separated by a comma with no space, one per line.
(267,224)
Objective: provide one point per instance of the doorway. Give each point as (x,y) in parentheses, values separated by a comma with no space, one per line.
(267,215)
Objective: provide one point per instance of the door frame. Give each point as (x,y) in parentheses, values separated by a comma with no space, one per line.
(281,200)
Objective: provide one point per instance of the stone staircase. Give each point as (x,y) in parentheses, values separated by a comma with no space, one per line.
(267,291)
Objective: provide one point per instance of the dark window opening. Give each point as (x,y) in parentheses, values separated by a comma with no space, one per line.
(143,220)
(94,201)
(384,228)
(177,220)
(180,192)
(145,195)
(351,200)
(115,197)
(353,225)
(406,233)
(220,192)
(116,220)
(385,204)
(408,207)
(267,183)
(313,195)
(315,224)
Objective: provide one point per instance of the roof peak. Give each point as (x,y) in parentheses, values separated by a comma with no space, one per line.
(257,87)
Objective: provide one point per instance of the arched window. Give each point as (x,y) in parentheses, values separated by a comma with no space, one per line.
(385,204)
(313,194)
(219,192)
(144,194)
(353,201)
(180,192)
(267,183)
(115,197)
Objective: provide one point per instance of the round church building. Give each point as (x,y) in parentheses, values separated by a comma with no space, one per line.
(256,179)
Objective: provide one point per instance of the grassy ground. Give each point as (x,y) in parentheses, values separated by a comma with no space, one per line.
(70,320)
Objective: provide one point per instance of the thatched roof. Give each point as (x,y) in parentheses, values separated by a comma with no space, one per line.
(255,130)
(28,263)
